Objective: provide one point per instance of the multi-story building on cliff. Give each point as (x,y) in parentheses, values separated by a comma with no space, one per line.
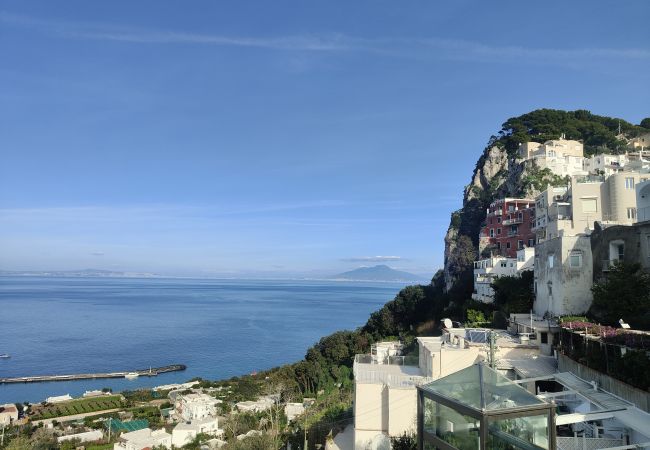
(605,164)
(486,271)
(561,156)
(508,227)
(572,210)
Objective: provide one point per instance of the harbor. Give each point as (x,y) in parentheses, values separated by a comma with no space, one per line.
(151,372)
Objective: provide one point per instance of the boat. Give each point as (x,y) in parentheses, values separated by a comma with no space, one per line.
(5,356)
(131,375)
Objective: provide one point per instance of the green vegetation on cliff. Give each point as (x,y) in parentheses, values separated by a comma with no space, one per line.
(596,132)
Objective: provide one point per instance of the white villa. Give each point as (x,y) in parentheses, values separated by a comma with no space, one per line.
(561,156)
(489,269)
(142,439)
(185,432)
(195,406)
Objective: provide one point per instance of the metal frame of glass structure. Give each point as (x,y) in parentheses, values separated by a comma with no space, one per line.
(477,408)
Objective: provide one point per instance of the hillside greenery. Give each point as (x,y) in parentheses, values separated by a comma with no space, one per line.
(596,132)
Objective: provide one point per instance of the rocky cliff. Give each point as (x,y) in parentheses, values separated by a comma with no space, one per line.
(499,173)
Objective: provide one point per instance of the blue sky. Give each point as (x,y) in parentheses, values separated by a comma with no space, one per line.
(229,138)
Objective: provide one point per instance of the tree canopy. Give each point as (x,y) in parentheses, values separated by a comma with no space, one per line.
(544,124)
(623,294)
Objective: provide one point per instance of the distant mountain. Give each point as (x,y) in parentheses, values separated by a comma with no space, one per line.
(86,273)
(377,273)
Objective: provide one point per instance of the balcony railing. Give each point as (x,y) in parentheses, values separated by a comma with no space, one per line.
(513,221)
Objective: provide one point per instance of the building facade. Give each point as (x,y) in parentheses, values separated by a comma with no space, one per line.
(563,157)
(385,399)
(563,276)
(195,406)
(486,271)
(643,201)
(620,244)
(508,227)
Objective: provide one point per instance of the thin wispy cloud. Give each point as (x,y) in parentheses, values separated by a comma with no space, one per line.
(372,259)
(334,42)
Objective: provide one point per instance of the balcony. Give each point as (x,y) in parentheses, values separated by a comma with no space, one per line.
(397,371)
(513,221)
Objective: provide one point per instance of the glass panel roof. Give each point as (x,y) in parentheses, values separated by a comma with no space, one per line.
(483,389)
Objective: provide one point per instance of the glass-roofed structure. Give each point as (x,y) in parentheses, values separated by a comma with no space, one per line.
(477,408)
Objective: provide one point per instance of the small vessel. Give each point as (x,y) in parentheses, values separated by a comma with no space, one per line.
(132,375)
(5,356)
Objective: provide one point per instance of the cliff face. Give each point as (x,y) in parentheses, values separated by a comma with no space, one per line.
(498,173)
(461,241)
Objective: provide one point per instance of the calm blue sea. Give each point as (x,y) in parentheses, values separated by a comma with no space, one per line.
(218,328)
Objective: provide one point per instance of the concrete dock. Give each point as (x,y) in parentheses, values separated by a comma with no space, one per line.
(152,372)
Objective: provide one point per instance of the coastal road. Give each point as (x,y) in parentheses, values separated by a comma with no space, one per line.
(75,416)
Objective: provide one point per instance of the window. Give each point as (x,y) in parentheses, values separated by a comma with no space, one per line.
(507,245)
(629,183)
(551,257)
(520,216)
(531,242)
(550,289)
(543,337)
(491,232)
(514,229)
(504,264)
(498,231)
(589,205)
(498,219)
(498,245)
(520,244)
(575,259)
(631,213)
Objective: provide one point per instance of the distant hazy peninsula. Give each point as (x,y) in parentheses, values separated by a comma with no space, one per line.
(86,273)
(377,273)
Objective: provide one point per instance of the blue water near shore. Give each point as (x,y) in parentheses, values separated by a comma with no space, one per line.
(218,328)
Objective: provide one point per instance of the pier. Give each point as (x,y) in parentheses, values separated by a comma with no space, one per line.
(151,372)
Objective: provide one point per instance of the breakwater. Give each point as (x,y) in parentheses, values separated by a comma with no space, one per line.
(151,372)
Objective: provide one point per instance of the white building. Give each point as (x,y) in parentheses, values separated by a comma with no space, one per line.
(259,405)
(572,210)
(385,402)
(87,436)
(59,398)
(293,410)
(143,439)
(561,156)
(195,406)
(563,276)
(96,393)
(185,432)
(605,164)
(486,271)
(8,414)
(643,201)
